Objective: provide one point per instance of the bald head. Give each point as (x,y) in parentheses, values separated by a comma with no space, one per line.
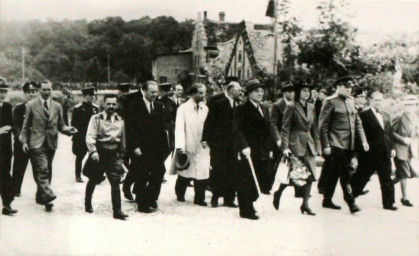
(233,90)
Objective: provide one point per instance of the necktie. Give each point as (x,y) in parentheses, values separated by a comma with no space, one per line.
(108,118)
(151,109)
(177,103)
(260,110)
(46,105)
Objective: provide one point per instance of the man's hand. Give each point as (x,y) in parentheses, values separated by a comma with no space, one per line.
(407,140)
(5,129)
(138,152)
(246,152)
(327,151)
(95,157)
(278,143)
(204,144)
(72,130)
(25,148)
(366,146)
(271,154)
(393,153)
(287,152)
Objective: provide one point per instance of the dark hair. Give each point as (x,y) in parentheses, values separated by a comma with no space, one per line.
(194,88)
(110,96)
(297,93)
(147,83)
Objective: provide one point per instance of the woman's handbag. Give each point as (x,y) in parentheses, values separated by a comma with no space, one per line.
(282,171)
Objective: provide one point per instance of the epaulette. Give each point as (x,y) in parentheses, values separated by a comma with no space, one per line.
(94,105)
(78,105)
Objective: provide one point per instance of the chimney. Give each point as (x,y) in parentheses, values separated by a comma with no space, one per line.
(222,16)
(205,16)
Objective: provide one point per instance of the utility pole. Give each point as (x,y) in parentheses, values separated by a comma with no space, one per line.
(109,69)
(275,71)
(23,64)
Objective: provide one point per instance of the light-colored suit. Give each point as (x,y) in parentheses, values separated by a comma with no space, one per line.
(40,132)
(38,127)
(402,128)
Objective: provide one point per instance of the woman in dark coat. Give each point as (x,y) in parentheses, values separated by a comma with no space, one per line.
(300,138)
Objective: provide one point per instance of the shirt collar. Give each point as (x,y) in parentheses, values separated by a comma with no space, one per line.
(114,116)
(254,103)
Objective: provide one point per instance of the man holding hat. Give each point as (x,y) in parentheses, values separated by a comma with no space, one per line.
(6,185)
(218,133)
(82,113)
(339,126)
(21,159)
(253,142)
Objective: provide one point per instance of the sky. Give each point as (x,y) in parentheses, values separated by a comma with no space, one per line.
(381,16)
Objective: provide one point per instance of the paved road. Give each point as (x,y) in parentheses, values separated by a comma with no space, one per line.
(185,229)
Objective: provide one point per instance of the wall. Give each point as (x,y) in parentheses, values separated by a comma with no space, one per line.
(171,66)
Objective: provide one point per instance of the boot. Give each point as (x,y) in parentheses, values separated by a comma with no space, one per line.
(118,214)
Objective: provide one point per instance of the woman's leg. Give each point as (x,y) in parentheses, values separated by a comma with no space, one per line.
(277,195)
(403,185)
(307,190)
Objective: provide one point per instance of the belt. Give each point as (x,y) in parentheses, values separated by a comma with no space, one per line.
(108,146)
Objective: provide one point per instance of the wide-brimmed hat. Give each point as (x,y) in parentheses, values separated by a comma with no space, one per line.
(165,87)
(89,90)
(181,161)
(302,85)
(3,84)
(252,85)
(124,87)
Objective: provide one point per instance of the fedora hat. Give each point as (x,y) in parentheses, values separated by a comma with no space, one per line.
(181,161)
(252,85)
(302,85)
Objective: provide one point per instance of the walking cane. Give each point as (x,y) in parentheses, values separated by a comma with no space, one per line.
(252,168)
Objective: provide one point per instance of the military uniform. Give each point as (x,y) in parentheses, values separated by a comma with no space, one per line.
(82,113)
(339,126)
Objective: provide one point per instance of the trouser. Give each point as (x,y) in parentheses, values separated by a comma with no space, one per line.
(342,168)
(263,175)
(325,173)
(366,169)
(79,159)
(20,163)
(41,160)
(148,179)
(246,187)
(199,187)
(130,177)
(224,182)
(6,182)
(112,166)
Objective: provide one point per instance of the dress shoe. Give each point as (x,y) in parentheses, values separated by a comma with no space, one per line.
(307,210)
(249,216)
(128,194)
(48,207)
(79,179)
(7,210)
(52,198)
(353,208)
(214,201)
(406,202)
(231,205)
(329,204)
(201,203)
(144,209)
(277,198)
(88,207)
(119,215)
(154,206)
(390,207)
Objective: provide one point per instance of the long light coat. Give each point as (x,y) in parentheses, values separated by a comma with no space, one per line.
(188,134)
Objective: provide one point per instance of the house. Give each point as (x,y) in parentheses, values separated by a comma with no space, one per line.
(220,49)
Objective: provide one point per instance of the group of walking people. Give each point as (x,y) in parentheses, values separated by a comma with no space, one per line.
(230,144)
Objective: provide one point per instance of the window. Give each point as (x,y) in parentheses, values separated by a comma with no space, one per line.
(248,73)
(240,56)
(239,73)
(163,79)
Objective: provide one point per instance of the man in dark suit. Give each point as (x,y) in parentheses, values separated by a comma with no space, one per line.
(377,129)
(218,133)
(6,183)
(339,126)
(21,159)
(82,113)
(43,120)
(170,106)
(253,141)
(318,103)
(147,142)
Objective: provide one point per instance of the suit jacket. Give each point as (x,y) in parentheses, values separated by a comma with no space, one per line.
(340,123)
(318,108)
(18,118)
(218,132)
(299,129)
(38,127)
(252,130)
(6,119)
(147,132)
(403,127)
(277,114)
(377,137)
(170,109)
